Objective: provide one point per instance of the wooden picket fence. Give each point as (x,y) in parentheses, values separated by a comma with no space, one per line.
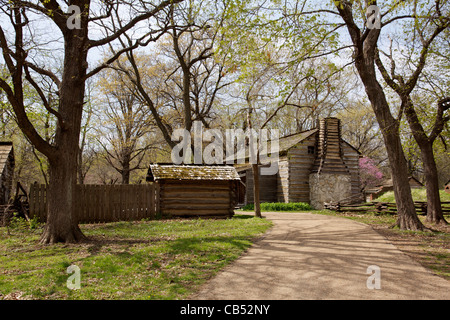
(103,203)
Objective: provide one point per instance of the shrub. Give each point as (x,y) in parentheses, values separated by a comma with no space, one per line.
(20,223)
(280,206)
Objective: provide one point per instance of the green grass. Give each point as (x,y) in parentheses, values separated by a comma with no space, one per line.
(418,195)
(166,259)
(280,206)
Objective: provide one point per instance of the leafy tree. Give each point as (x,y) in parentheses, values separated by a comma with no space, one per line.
(426,24)
(126,124)
(365,55)
(18,41)
(187,78)
(360,129)
(370,175)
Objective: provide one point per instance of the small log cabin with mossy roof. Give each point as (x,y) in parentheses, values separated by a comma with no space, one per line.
(196,190)
(314,166)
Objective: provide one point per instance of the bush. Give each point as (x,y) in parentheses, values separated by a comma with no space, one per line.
(280,206)
(20,223)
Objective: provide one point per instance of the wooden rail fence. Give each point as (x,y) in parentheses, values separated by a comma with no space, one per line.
(382,207)
(103,203)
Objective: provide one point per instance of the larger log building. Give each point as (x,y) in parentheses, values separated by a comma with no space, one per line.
(315,166)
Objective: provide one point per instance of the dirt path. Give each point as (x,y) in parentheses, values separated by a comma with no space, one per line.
(310,256)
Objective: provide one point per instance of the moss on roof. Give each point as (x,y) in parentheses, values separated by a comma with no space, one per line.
(191,172)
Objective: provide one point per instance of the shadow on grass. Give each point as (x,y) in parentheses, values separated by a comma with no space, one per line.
(243,216)
(205,245)
(190,245)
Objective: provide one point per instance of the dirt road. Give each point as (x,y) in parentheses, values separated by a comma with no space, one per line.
(311,256)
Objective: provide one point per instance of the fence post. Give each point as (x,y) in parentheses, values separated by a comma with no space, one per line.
(81,203)
(42,201)
(32,198)
(424,208)
(76,203)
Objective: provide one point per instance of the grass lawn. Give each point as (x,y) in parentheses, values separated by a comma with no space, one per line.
(430,248)
(418,195)
(164,259)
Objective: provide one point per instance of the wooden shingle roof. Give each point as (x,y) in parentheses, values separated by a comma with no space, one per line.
(191,172)
(288,142)
(6,149)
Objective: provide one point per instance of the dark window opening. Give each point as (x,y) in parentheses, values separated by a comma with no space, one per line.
(311,150)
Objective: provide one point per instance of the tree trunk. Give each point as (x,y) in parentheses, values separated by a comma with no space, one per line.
(434,208)
(80,173)
(125,170)
(187,99)
(365,48)
(255,166)
(256,201)
(407,216)
(425,143)
(62,223)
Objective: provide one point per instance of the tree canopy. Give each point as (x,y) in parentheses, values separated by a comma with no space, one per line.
(91,91)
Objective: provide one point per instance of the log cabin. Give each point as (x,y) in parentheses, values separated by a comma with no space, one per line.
(6,171)
(314,166)
(206,191)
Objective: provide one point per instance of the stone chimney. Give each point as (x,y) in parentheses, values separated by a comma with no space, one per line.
(330,179)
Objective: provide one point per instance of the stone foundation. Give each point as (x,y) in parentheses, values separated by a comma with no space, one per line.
(328,187)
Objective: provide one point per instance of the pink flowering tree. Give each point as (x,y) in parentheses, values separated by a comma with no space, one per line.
(370,174)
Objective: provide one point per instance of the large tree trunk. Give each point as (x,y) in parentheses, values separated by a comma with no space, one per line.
(425,143)
(62,223)
(125,170)
(365,48)
(256,200)
(434,208)
(407,216)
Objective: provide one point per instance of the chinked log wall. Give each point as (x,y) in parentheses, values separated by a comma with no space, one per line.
(203,198)
(300,163)
(103,203)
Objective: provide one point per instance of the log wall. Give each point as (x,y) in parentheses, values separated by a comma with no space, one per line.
(283,180)
(300,164)
(6,175)
(267,187)
(203,198)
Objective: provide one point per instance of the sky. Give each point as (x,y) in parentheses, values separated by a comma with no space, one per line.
(46,48)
